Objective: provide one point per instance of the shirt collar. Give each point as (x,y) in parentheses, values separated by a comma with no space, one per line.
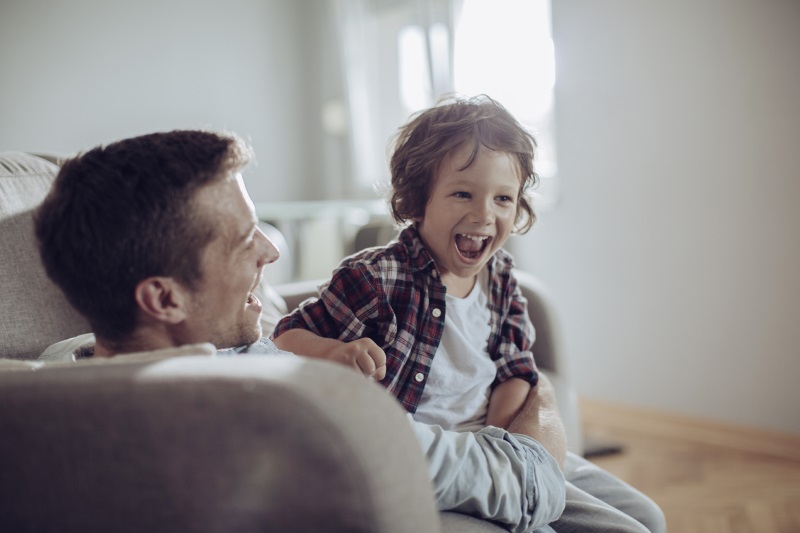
(420,257)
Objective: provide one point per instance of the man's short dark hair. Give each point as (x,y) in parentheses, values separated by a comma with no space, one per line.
(432,136)
(121,213)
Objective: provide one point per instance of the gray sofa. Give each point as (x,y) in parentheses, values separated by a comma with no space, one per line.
(197,443)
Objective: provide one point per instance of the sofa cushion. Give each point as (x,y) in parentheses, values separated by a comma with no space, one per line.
(33,311)
(207,444)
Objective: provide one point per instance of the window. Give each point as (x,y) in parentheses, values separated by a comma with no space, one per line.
(401,56)
(504,48)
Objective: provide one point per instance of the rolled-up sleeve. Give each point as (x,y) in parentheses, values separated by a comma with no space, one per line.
(492,474)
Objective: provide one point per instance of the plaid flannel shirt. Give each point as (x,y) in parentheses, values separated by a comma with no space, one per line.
(394,296)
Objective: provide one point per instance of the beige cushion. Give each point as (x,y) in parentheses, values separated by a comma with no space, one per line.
(207,444)
(33,311)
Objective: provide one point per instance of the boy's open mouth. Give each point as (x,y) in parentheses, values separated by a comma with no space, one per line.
(471,246)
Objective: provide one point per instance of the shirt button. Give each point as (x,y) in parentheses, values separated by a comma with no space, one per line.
(419,377)
(437,313)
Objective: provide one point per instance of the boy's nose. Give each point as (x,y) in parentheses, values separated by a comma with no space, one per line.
(483,214)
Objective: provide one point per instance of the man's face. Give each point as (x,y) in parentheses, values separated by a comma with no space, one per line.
(222,309)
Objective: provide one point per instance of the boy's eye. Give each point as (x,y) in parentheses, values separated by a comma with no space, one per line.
(462,194)
(504,199)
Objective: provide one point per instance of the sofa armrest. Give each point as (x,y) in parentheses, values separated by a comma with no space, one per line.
(251,443)
(294,293)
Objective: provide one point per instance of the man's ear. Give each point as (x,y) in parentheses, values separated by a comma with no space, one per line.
(162,298)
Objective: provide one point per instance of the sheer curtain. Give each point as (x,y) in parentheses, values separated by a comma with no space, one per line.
(400,56)
(396,57)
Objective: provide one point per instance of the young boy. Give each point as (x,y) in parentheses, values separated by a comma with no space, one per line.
(440,306)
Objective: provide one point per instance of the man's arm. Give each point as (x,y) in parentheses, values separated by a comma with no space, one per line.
(540,420)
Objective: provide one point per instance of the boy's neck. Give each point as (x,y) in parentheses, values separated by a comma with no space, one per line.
(458,287)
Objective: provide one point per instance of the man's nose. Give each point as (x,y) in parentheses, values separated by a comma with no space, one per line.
(270,252)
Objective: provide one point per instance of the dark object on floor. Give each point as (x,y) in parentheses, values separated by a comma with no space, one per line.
(594,446)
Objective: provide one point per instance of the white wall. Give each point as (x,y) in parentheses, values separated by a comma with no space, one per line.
(674,254)
(84,72)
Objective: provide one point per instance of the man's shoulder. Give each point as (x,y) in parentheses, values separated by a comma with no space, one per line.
(263,346)
(81,348)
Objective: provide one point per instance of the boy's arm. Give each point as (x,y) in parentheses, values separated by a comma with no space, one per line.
(512,341)
(362,354)
(314,328)
(506,401)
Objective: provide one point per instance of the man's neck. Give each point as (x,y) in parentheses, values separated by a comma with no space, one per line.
(101,349)
(139,341)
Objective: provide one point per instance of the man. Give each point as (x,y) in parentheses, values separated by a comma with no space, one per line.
(155,241)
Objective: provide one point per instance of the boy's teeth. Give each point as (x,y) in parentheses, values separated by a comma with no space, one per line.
(470,245)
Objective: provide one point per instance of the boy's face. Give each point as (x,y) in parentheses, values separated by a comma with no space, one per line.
(470,214)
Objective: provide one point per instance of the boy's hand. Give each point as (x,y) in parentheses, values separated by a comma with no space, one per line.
(363,355)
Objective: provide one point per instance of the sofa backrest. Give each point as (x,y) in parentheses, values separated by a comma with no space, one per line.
(33,311)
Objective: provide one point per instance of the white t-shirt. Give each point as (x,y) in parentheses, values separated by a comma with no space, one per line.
(456,395)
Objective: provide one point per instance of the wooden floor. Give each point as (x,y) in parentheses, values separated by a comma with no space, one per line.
(706,476)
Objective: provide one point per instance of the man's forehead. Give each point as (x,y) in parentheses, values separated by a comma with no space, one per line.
(226,200)
(229,188)
(243,189)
